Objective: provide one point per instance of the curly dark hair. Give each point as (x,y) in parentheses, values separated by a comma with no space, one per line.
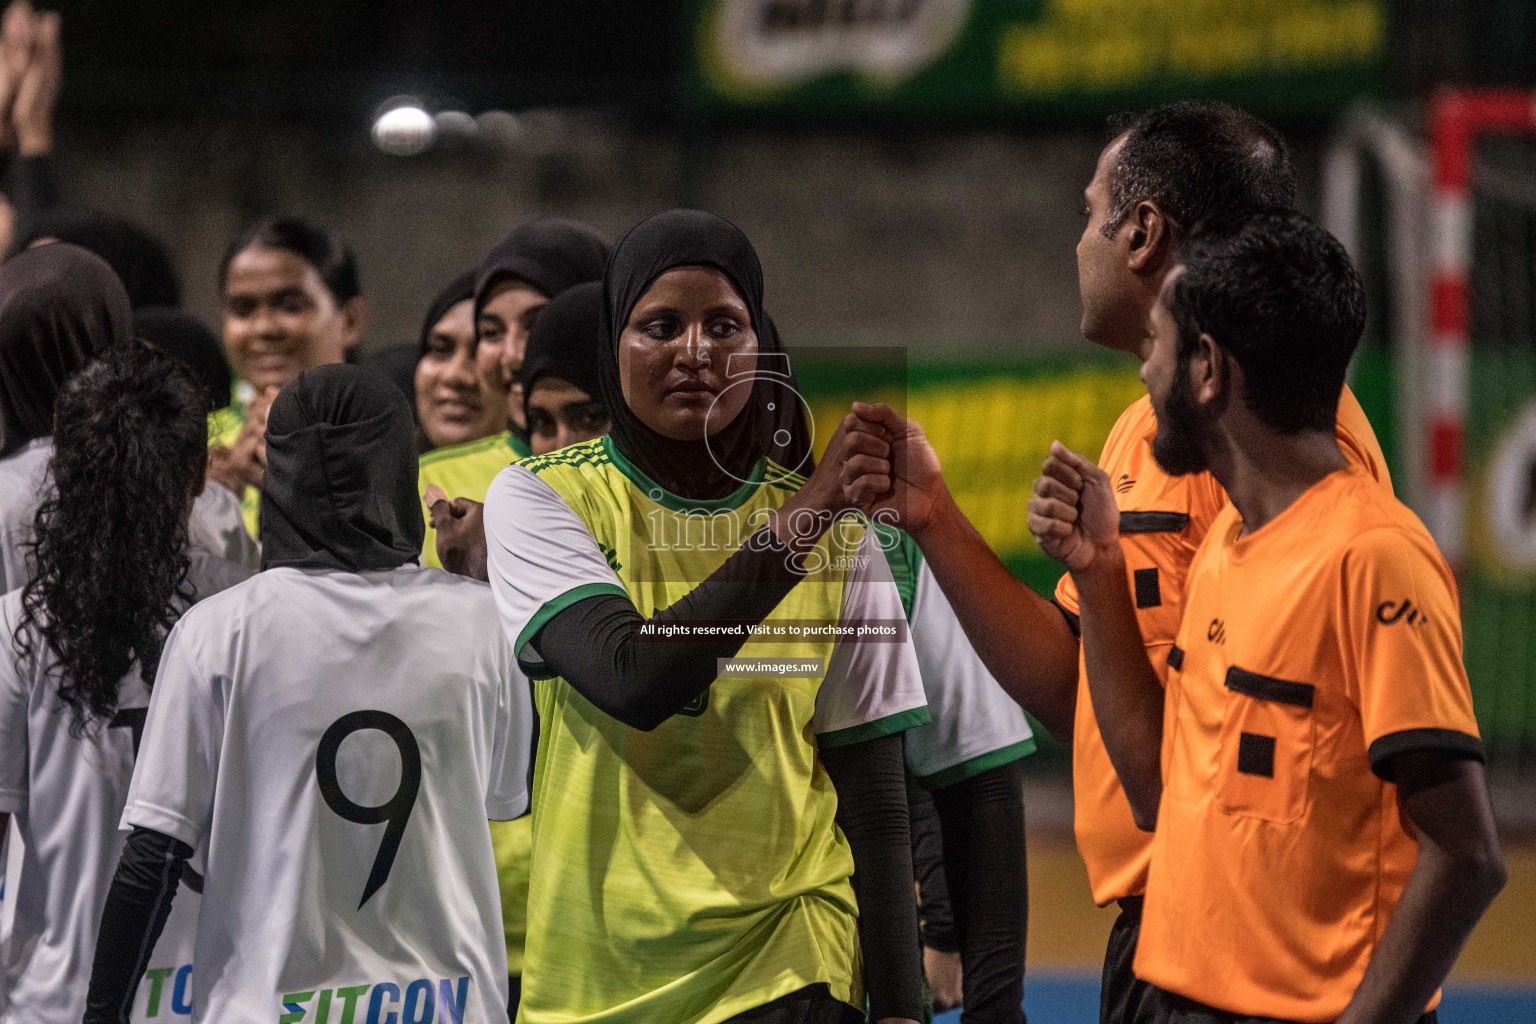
(109,551)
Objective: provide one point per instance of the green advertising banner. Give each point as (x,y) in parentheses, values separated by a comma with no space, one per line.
(1049,57)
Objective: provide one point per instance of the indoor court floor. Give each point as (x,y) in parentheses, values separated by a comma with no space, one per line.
(1493,983)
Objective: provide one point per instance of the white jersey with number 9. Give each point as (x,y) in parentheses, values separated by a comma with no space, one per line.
(335,743)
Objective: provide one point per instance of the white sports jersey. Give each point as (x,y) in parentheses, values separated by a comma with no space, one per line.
(218,526)
(976,726)
(67,794)
(335,742)
(23,475)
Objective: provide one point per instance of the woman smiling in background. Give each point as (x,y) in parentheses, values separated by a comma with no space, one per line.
(453,403)
(291,302)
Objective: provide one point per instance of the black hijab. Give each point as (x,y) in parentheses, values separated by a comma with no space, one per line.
(460,289)
(397,364)
(184,337)
(340,486)
(59,307)
(139,258)
(567,340)
(551,254)
(773,422)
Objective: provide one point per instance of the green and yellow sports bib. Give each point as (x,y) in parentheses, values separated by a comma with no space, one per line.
(695,871)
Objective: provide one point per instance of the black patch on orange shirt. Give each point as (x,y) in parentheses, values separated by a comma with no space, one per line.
(1256,754)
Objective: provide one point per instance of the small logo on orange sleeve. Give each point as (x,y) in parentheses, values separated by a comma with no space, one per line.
(1216,633)
(1391,612)
(1125,483)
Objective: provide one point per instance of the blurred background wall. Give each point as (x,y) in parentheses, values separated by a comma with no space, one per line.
(941,239)
(948,193)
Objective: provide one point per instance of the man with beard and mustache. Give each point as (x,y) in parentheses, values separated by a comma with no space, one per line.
(1165,171)
(1324,841)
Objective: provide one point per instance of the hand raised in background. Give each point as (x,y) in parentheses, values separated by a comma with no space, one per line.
(37,90)
(15,54)
(31,63)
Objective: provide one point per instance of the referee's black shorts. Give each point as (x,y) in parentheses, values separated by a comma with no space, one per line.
(1126,999)
(1123,997)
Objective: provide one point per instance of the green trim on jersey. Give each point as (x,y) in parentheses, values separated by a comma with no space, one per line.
(976,765)
(594,453)
(666,499)
(539,670)
(519,447)
(900,722)
(905,559)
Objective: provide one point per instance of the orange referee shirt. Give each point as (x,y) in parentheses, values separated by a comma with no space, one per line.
(1163,519)
(1311,651)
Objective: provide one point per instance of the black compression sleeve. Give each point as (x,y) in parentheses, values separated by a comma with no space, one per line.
(983,826)
(137,905)
(936,923)
(870,779)
(597,646)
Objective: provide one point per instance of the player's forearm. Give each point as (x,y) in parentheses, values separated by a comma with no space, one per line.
(599,645)
(135,913)
(1459,871)
(1443,900)
(1127,697)
(872,811)
(1022,638)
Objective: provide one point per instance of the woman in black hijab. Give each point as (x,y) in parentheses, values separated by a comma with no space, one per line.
(140,260)
(532,265)
(454,404)
(340,486)
(59,307)
(562,387)
(529,267)
(718,792)
(714,459)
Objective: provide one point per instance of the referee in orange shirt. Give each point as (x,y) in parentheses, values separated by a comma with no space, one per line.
(1166,169)
(1324,841)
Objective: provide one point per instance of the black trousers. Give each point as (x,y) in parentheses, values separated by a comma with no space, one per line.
(1123,997)
(1126,999)
(813,1004)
